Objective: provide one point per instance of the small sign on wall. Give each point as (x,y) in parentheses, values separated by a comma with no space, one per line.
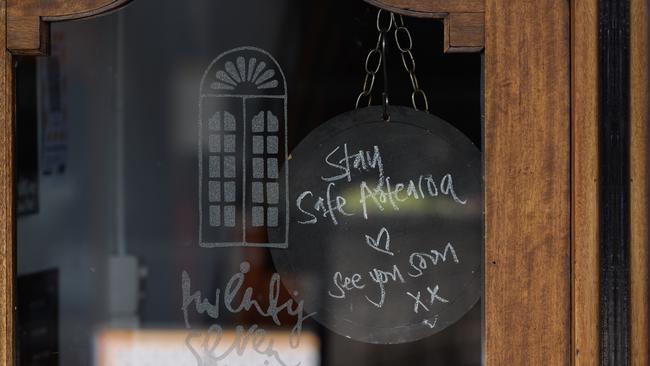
(386,230)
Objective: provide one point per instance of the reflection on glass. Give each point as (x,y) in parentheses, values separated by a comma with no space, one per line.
(131,247)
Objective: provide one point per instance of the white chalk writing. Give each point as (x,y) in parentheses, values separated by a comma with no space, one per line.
(380,194)
(237,299)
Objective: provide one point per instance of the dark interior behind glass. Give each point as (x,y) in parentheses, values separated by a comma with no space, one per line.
(107,166)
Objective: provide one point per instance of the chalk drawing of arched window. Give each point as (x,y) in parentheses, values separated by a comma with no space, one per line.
(242,149)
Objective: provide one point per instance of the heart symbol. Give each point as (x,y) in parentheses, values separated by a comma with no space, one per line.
(374,243)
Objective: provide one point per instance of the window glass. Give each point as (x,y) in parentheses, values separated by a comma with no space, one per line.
(154,195)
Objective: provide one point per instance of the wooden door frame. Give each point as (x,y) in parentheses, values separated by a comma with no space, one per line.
(640,183)
(587,325)
(541,170)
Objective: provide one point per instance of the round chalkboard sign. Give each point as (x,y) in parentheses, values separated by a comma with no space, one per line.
(385,233)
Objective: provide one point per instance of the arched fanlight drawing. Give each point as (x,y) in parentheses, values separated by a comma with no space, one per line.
(256,72)
(242,148)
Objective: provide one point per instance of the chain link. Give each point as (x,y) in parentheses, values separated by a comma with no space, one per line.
(386,27)
(375,59)
(405,44)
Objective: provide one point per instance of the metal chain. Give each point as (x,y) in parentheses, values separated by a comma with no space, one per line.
(377,57)
(405,44)
(374,61)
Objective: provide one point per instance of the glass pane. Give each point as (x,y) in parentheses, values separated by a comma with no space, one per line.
(165,151)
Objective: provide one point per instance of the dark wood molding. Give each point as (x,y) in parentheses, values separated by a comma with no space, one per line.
(614,161)
(464,20)
(28,20)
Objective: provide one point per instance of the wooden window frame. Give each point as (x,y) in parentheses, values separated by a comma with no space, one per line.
(540,158)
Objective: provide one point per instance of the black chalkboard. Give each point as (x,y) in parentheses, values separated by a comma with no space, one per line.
(385,236)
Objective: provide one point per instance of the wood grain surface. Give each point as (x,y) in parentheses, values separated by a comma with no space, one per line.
(464,32)
(639,170)
(425,8)
(527,183)
(585,207)
(463,20)
(7,210)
